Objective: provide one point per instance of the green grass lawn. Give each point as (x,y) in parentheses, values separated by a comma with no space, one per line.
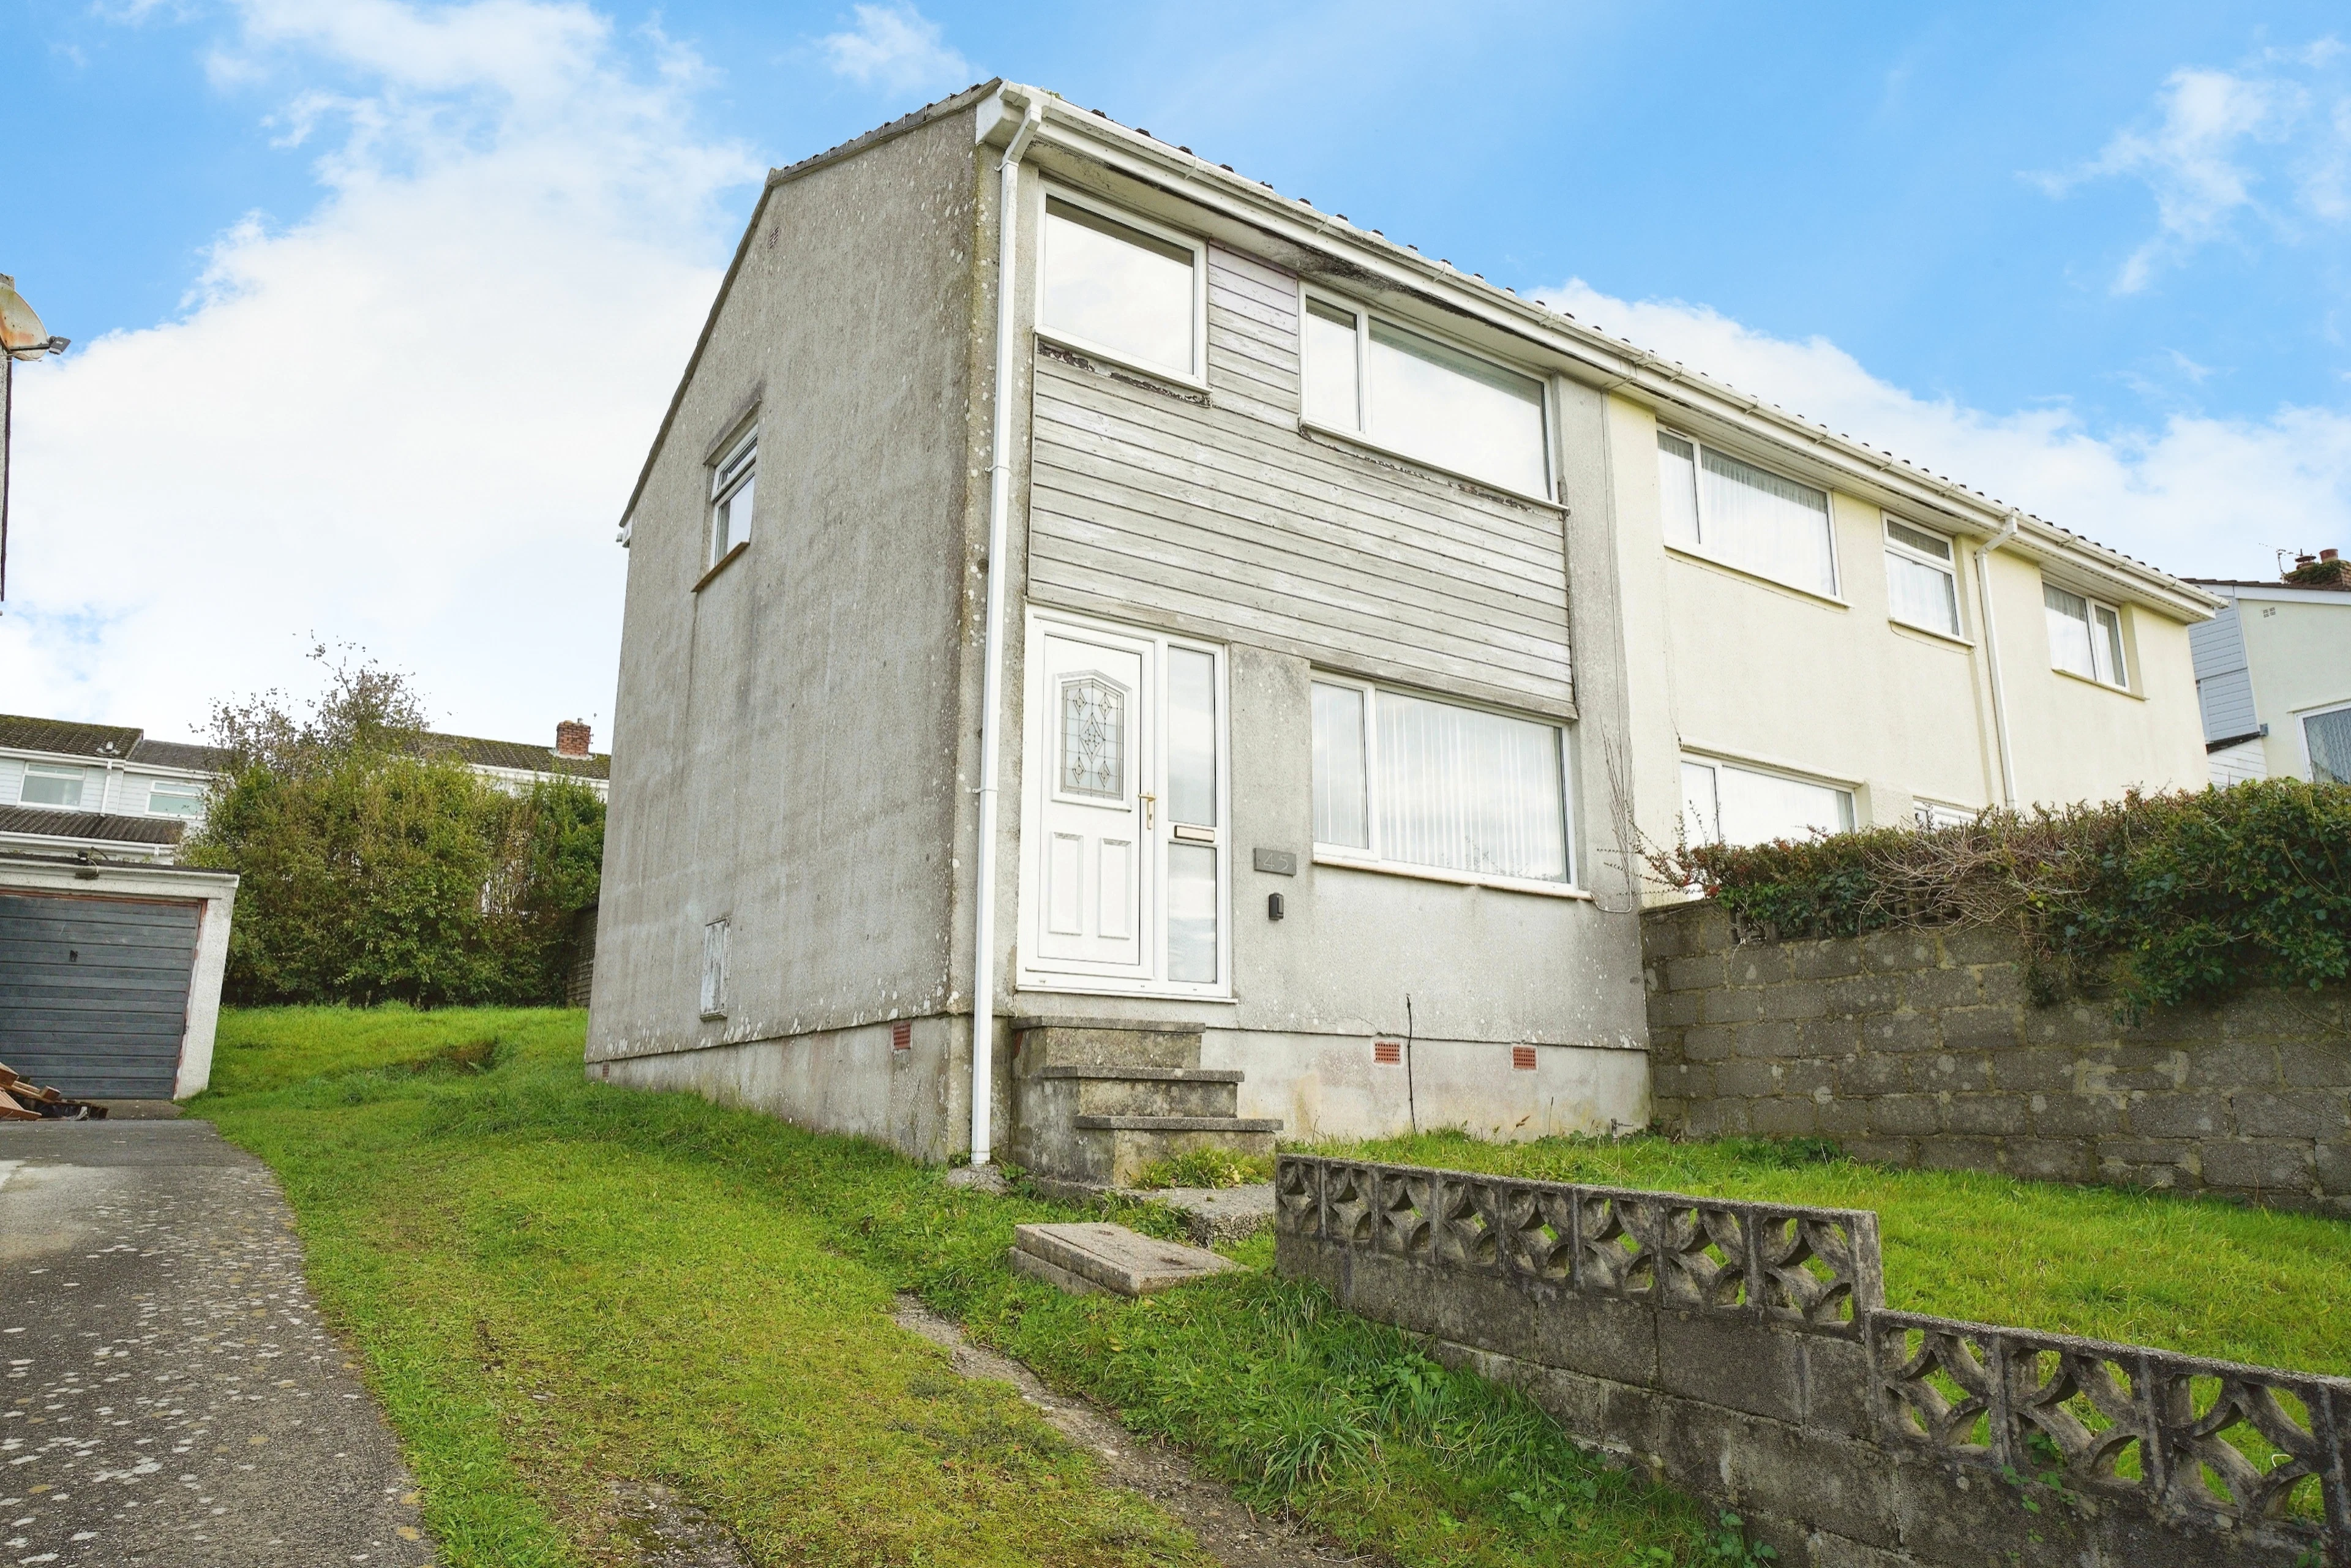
(555,1285)
(2205,1277)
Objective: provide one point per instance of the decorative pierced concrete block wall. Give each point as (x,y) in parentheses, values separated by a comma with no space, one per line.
(1742,1352)
(1921,1048)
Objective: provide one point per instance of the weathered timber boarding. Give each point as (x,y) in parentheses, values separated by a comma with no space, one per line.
(1743,1352)
(1219,514)
(1922,1048)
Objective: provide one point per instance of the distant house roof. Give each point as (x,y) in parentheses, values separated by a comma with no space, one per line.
(23,733)
(522,756)
(51,823)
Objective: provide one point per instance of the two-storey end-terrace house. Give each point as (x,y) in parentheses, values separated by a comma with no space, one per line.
(2273,673)
(1227,665)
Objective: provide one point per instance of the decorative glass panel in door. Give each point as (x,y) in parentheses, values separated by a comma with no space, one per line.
(1092,868)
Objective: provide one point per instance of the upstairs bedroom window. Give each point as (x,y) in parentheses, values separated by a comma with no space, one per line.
(1723,804)
(1922,589)
(49,785)
(1745,517)
(175,797)
(1423,399)
(1410,781)
(1123,289)
(734,482)
(2085,637)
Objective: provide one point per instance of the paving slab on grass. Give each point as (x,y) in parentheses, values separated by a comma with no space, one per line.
(1091,1257)
(168,1396)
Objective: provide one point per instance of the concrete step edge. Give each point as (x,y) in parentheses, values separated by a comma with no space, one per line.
(1175,1124)
(1144,1075)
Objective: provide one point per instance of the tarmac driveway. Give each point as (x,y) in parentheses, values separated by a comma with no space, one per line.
(168,1396)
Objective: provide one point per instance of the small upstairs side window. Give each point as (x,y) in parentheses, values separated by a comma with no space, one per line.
(733,483)
(2085,637)
(50,786)
(1921,587)
(1120,288)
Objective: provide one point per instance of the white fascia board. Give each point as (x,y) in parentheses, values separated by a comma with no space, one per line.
(1577,350)
(22,843)
(83,759)
(2285,593)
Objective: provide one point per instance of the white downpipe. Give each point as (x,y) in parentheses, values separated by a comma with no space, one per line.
(991,654)
(1991,659)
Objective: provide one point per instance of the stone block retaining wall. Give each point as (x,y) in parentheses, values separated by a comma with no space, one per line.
(1922,1049)
(1742,1351)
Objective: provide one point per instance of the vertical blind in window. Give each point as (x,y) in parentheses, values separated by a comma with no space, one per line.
(1749,517)
(1118,288)
(2328,735)
(1432,784)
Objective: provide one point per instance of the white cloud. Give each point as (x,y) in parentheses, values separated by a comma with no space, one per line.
(409,420)
(897,48)
(2193,496)
(2218,137)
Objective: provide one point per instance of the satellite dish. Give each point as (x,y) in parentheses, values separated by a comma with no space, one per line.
(21,336)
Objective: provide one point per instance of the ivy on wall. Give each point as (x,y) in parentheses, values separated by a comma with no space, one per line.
(2153,901)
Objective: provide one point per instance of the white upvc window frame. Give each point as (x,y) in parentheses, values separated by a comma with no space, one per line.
(1361,435)
(736,467)
(1934,815)
(177,789)
(2100,649)
(1848,793)
(2302,717)
(1701,550)
(1949,567)
(1196,377)
(60,770)
(1353,858)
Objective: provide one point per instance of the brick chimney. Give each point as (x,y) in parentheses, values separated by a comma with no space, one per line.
(2327,568)
(572,739)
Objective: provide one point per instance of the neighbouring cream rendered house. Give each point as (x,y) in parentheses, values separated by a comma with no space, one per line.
(1231,672)
(2273,673)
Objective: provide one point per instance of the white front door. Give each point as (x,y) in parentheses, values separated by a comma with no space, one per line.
(1091,869)
(1123,874)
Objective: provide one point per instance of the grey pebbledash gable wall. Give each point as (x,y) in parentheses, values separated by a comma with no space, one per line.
(1922,1049)
(1742,1351)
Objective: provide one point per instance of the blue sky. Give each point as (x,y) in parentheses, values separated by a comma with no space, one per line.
(376,304)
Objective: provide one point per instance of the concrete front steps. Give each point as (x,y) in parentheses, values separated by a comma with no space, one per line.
(1094,1102)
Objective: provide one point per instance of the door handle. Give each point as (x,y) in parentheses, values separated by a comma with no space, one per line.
(1150,808)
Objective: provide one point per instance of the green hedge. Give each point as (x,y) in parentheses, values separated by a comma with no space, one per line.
(2153,900)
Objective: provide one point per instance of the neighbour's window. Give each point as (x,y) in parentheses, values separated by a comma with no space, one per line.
(714,969)
(1727,804)
(2327,737)
(733,483)
(1744,516)
(1933,814)
(48,786)
(1112,286)
(1920,584)
(2085,637)
(175,797)
(1425,399)
(1418,783)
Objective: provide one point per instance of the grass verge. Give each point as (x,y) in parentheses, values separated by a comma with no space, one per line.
(2205,1277)
(555,1285)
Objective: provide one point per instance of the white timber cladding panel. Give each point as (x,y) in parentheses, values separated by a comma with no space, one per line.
(1227,520)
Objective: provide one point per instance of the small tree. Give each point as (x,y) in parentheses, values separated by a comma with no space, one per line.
(376,866)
